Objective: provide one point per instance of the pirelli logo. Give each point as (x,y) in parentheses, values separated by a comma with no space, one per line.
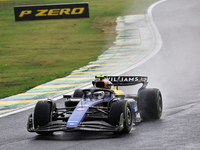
(57,11)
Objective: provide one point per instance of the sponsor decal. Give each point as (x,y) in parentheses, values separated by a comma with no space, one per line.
(80,109)
(126,79)
(72,121)
(56,11)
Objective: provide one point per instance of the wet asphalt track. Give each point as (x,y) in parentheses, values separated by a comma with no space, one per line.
(175,70)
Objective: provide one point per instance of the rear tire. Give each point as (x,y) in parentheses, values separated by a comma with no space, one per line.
(42,115)
(78,93)
(150,104)
(116,109)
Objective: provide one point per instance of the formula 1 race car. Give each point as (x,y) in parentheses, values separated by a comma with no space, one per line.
(101,108)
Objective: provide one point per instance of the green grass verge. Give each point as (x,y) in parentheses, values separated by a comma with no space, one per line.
(35,52)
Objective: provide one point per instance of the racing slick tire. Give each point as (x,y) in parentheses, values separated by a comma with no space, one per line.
(116,109)
(43,115)
(78,93)
(150,104)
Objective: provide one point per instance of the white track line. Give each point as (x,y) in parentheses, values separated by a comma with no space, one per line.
(158,38)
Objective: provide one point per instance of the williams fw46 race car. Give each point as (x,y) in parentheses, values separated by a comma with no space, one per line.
(101,108)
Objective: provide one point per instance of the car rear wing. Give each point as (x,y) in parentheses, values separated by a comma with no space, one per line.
(125,80)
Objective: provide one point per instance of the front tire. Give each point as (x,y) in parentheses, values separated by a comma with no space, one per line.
(116,109)
(150,104)
(42,115)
